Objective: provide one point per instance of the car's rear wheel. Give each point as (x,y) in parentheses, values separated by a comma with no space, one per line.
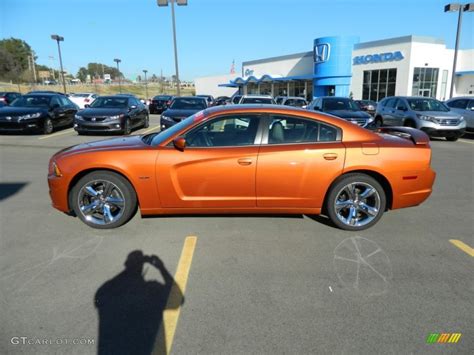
(48,126)
(452,139)
(378,122)
(103,200)
(410,123)
(356,202)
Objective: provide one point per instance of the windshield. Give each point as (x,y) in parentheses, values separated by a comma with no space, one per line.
(165,135)
(188,104)
(257,100)
(427,105)
(163,98)
(339,104)
(32,101)
(110,102)
(80,95)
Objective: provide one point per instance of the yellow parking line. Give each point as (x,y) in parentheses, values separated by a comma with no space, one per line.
(71,130)
(167,330)
(150,129)
(466,141)
(464,247)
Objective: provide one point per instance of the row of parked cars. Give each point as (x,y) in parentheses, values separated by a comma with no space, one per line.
(88,112)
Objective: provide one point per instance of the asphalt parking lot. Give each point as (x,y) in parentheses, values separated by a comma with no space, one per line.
(254,284)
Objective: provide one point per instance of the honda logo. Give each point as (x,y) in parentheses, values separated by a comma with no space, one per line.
(321,52)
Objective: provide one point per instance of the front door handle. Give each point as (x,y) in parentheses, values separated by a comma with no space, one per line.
(244,161)
(330,156)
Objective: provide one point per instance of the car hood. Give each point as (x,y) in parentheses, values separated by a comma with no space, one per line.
(17,111)
(121,143)
(348,114)
(180,113)
(439,114)
(90,112)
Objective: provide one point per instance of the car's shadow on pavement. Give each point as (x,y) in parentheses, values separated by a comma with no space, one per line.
(8,189)
(131,308)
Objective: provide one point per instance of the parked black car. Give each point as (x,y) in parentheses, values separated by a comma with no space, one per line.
(342,107)
(119,113)
(160,103)
(180,108)
(43,112)
(8,97)
(209,98)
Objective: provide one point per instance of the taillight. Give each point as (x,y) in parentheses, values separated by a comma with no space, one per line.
(3,98)
(168,102)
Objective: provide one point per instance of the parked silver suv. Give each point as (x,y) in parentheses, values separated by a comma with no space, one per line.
(425,113)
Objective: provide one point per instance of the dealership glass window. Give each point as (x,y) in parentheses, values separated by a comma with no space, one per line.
(378,84)
(265,88)
(444,84)
(299,89)
(279,88)
(425,82)
(252,88)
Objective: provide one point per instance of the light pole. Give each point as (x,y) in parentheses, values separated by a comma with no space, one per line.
(460,8)
(60,39)
(180,3)
(146,84)
(116,60)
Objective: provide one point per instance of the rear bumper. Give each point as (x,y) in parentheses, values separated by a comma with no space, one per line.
(413,189)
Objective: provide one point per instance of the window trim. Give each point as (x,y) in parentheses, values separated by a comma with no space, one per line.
(266,131)
(258,135)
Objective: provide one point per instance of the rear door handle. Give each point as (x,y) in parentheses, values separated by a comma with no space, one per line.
(330,156)
(244,161)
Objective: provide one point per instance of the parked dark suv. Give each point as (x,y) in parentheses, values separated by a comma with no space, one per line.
(342,107)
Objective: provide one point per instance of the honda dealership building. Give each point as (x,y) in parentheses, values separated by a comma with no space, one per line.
(344,66)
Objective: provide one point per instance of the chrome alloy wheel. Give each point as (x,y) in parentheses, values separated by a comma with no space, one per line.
(357,204)
(101,202)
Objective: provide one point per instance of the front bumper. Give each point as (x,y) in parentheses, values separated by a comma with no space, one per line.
(58,193)
(87,126)
(19,126)
(443,132)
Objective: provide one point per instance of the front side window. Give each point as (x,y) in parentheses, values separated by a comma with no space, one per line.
(287,130)
(228,131)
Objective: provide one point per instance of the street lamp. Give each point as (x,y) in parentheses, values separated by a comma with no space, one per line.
(180,3)
(116,60)
(60,39)
(146,84)
(460,8)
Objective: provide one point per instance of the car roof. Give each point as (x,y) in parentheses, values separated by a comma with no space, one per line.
(258,96)
(461,98)
(334,97)
(189,97)
(39,93)
(294,97)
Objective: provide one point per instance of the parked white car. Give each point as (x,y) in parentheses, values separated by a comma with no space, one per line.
(257,99)
(83,98)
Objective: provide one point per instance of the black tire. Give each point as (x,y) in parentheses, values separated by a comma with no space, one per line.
(48,126)
(126,189)
(147,122)
(127,129)
(452,139)
(378,122)
(410,123)
(338,187)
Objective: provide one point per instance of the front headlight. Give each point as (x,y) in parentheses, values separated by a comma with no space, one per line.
(166,118)
(29,116)
(370,119)
(77,117)
(461,118)
(427,118)
(112,118)
(54,169)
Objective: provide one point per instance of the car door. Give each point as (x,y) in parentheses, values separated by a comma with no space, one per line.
(399,113)
(217,167)
(57,112)
(388,112)
(298,160)
(134,112)
(69,110)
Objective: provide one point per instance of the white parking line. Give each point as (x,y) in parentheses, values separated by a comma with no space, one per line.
(466,141)
(150,129)
(71,130)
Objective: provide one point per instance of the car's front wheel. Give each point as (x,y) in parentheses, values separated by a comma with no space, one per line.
(127,129)
(355,202)
(103,200)
(48,126)
(147,121)
(452,139)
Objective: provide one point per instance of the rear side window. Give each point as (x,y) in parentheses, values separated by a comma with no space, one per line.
(288,130)
(390,103)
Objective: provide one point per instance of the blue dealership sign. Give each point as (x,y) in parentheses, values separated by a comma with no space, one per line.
(378,58)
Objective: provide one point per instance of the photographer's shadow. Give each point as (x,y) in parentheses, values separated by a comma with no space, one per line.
(131,309)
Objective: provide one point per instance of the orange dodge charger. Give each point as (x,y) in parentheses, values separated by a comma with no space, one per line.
(246,159)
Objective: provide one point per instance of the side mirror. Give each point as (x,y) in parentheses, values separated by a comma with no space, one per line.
(179,143)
